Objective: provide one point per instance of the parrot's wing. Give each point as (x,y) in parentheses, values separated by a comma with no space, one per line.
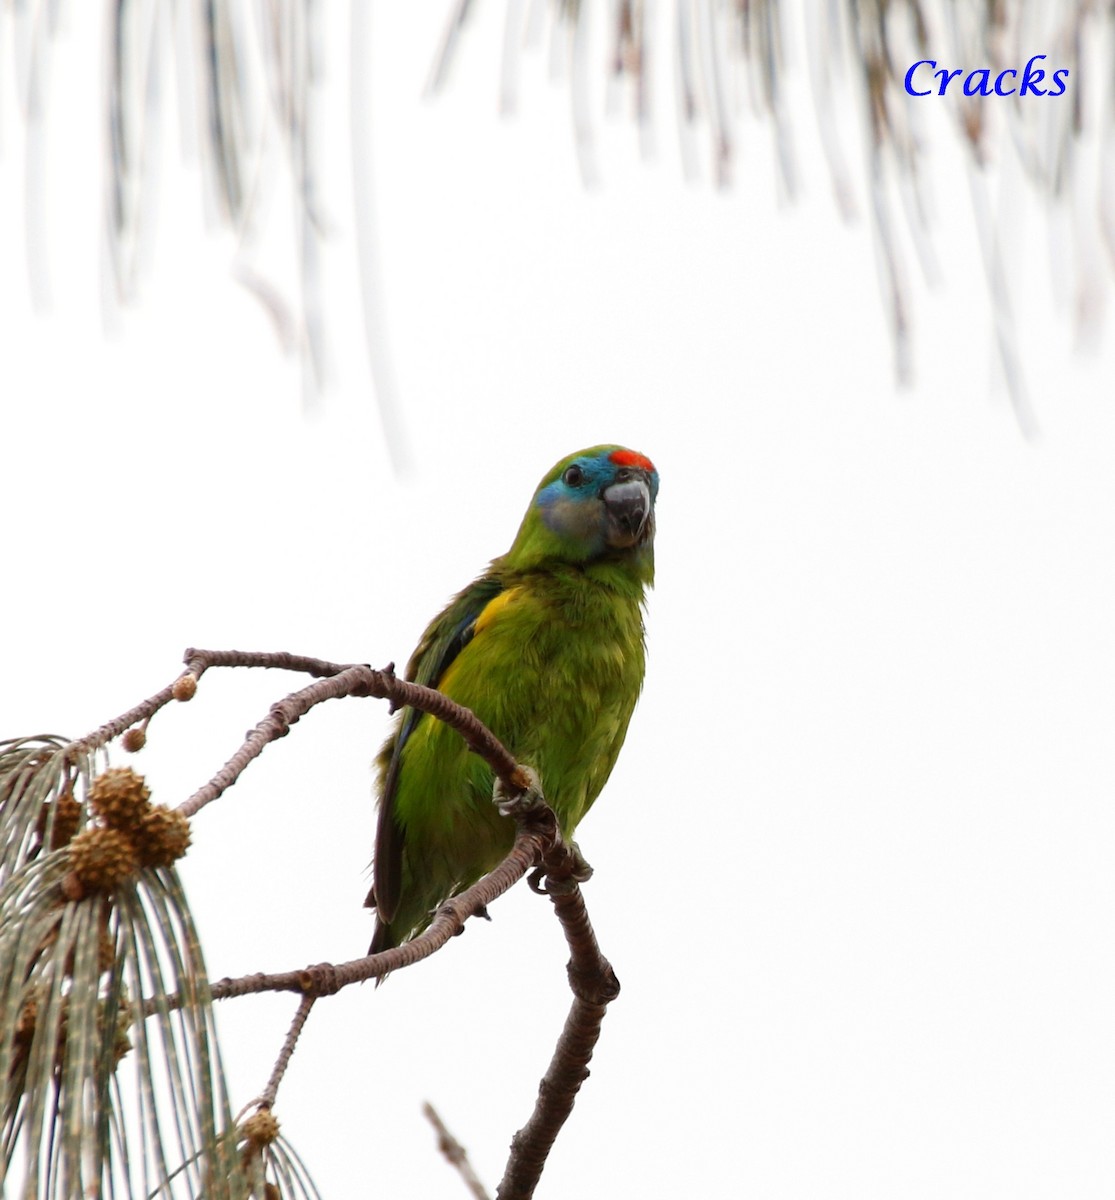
(445,637)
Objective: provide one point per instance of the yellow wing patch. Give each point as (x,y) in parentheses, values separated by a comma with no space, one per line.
(494,608)
(489,614)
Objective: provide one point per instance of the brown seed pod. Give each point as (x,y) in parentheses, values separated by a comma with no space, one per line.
(184,687)
(135,739)
(102,859)
(120,797)
(67,818)
(25,1025)
(72,888)
(65,811)
(162,836)
(261,1128)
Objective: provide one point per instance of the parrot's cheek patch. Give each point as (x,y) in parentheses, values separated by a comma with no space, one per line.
(574,519)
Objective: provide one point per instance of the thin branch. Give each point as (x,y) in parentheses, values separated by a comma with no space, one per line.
(346,681)
(197,663)
(335,680)
(283,714)
(267,1099)
(327,978)
(113,729)
(537,840)
(455,1153)
(594,986)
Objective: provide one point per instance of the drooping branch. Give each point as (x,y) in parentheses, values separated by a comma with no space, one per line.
(732,58)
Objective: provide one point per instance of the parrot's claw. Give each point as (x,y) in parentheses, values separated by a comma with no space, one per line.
(582,868)
(563,882)
(520,801)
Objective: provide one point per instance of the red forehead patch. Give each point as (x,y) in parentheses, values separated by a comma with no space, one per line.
(629,458)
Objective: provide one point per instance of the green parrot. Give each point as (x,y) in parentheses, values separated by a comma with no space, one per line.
(547,649)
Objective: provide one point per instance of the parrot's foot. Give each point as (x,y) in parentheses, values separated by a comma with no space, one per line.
(561,881)
(526,797)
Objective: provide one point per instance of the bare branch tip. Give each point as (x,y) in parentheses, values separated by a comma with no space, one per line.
(454,1152)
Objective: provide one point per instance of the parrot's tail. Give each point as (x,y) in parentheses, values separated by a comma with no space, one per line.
(382,939)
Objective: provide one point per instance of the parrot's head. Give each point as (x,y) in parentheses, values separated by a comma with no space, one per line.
(593,506)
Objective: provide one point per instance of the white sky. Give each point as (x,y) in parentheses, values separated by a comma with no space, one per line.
(855,867)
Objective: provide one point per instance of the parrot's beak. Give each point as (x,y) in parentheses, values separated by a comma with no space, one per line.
(629,512)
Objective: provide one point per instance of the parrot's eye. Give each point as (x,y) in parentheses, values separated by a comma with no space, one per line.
(573,476)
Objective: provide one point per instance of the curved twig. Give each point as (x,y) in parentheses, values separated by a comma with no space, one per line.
(357,680)
(197,663)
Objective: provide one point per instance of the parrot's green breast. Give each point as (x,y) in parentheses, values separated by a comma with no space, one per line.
(554,669)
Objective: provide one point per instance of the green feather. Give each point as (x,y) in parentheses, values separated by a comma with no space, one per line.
(547,649)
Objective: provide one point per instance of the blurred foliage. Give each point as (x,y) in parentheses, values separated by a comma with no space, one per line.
(249,77)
